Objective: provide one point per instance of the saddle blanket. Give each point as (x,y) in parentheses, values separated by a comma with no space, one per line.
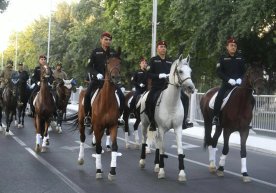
(95,94)
(212,101)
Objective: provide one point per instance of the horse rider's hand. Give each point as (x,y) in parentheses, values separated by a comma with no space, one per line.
(99,76)
(162,75)
(238,81)
(38,83)
(141,85)
(232,82)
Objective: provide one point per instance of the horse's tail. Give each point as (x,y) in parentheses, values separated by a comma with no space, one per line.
(72,120)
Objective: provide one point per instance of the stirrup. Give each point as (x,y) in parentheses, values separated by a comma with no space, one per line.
(87,121)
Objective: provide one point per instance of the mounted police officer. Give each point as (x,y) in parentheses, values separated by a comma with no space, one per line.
(159,70)
(35,80)
(139,80)
(23,75)
(96,69)
(231,69)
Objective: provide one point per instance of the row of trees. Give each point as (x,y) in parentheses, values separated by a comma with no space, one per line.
(201,26)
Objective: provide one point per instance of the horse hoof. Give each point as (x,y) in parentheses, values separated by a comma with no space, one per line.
(156,168)
(80,161)
(148,151)
(59,131)
(47,142)
(127,146)
(99,175)
(142,163)
(111,177)
(182,176)
(43,149)
(212,169)
(161,173)
(108,148)
(220,173)
(246,179)
(37,149)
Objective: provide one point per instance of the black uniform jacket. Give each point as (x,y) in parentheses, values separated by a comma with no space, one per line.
(98,60)
(231,67)
(36,76)
(140,77)
(158,66)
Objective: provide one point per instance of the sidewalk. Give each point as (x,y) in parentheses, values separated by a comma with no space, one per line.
(254,142)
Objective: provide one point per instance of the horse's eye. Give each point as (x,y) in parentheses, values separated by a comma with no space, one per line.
(180,71)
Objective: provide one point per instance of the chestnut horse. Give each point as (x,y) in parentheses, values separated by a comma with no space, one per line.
(104,115)
(236,115)
(44,105)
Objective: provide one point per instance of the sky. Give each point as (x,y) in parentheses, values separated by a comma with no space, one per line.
(20,13)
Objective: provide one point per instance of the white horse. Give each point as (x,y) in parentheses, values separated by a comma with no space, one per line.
(169,114)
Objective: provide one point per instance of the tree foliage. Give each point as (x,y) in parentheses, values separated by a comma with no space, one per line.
(3,5)
(201,27)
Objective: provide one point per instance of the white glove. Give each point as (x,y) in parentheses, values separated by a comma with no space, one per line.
(238,81)
(232,82)
(38,83)
(99,76)
(162,75)
(142,85)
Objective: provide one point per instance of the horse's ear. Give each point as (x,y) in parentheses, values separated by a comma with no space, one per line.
(119,51)
(188,58)
(180,57)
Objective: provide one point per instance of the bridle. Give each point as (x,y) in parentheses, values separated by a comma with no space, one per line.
(176,73)
(109,74)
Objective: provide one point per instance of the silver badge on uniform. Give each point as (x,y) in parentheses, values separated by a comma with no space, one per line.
(218,65)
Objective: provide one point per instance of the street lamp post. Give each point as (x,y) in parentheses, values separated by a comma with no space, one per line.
(154,29)
(16,50)
(49,32)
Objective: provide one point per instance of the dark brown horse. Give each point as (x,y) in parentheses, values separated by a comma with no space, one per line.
(10,102)
(128,110)
(105,114)
(63,92)
(44,105)
(235,116)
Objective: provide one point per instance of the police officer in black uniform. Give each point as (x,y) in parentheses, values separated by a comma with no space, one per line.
(35,80)
(231,69)
(140,81)
(159,70)
(96,69)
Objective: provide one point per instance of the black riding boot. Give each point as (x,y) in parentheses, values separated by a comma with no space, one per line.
(185,102)
(87,119)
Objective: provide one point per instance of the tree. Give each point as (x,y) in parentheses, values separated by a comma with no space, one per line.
(3,5)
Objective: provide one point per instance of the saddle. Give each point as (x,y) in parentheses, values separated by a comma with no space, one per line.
(225,98)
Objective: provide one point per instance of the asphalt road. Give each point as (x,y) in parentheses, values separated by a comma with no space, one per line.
(57,170)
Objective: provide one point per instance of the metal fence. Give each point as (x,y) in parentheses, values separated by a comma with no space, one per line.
(264,113)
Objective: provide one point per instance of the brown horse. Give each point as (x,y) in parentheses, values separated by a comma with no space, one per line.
(63,92)
(105,114)
(236,115)
(44,105)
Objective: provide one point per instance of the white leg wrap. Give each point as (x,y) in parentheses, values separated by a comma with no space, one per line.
(114,156)
(212,154)
(107,142)
(81,153)
(243,165)
(136,136)
(44,142)
(222,160)
(126,137)
(47,137)
(38,136)
(113,159)
(94,139)
(98,160)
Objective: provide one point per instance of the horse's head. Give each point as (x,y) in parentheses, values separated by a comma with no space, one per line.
(45,72)
(254,78)
(181,74)
(113,69)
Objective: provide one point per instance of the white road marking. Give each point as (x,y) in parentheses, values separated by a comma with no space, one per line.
(72,148)
(186,146)
(206,165)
